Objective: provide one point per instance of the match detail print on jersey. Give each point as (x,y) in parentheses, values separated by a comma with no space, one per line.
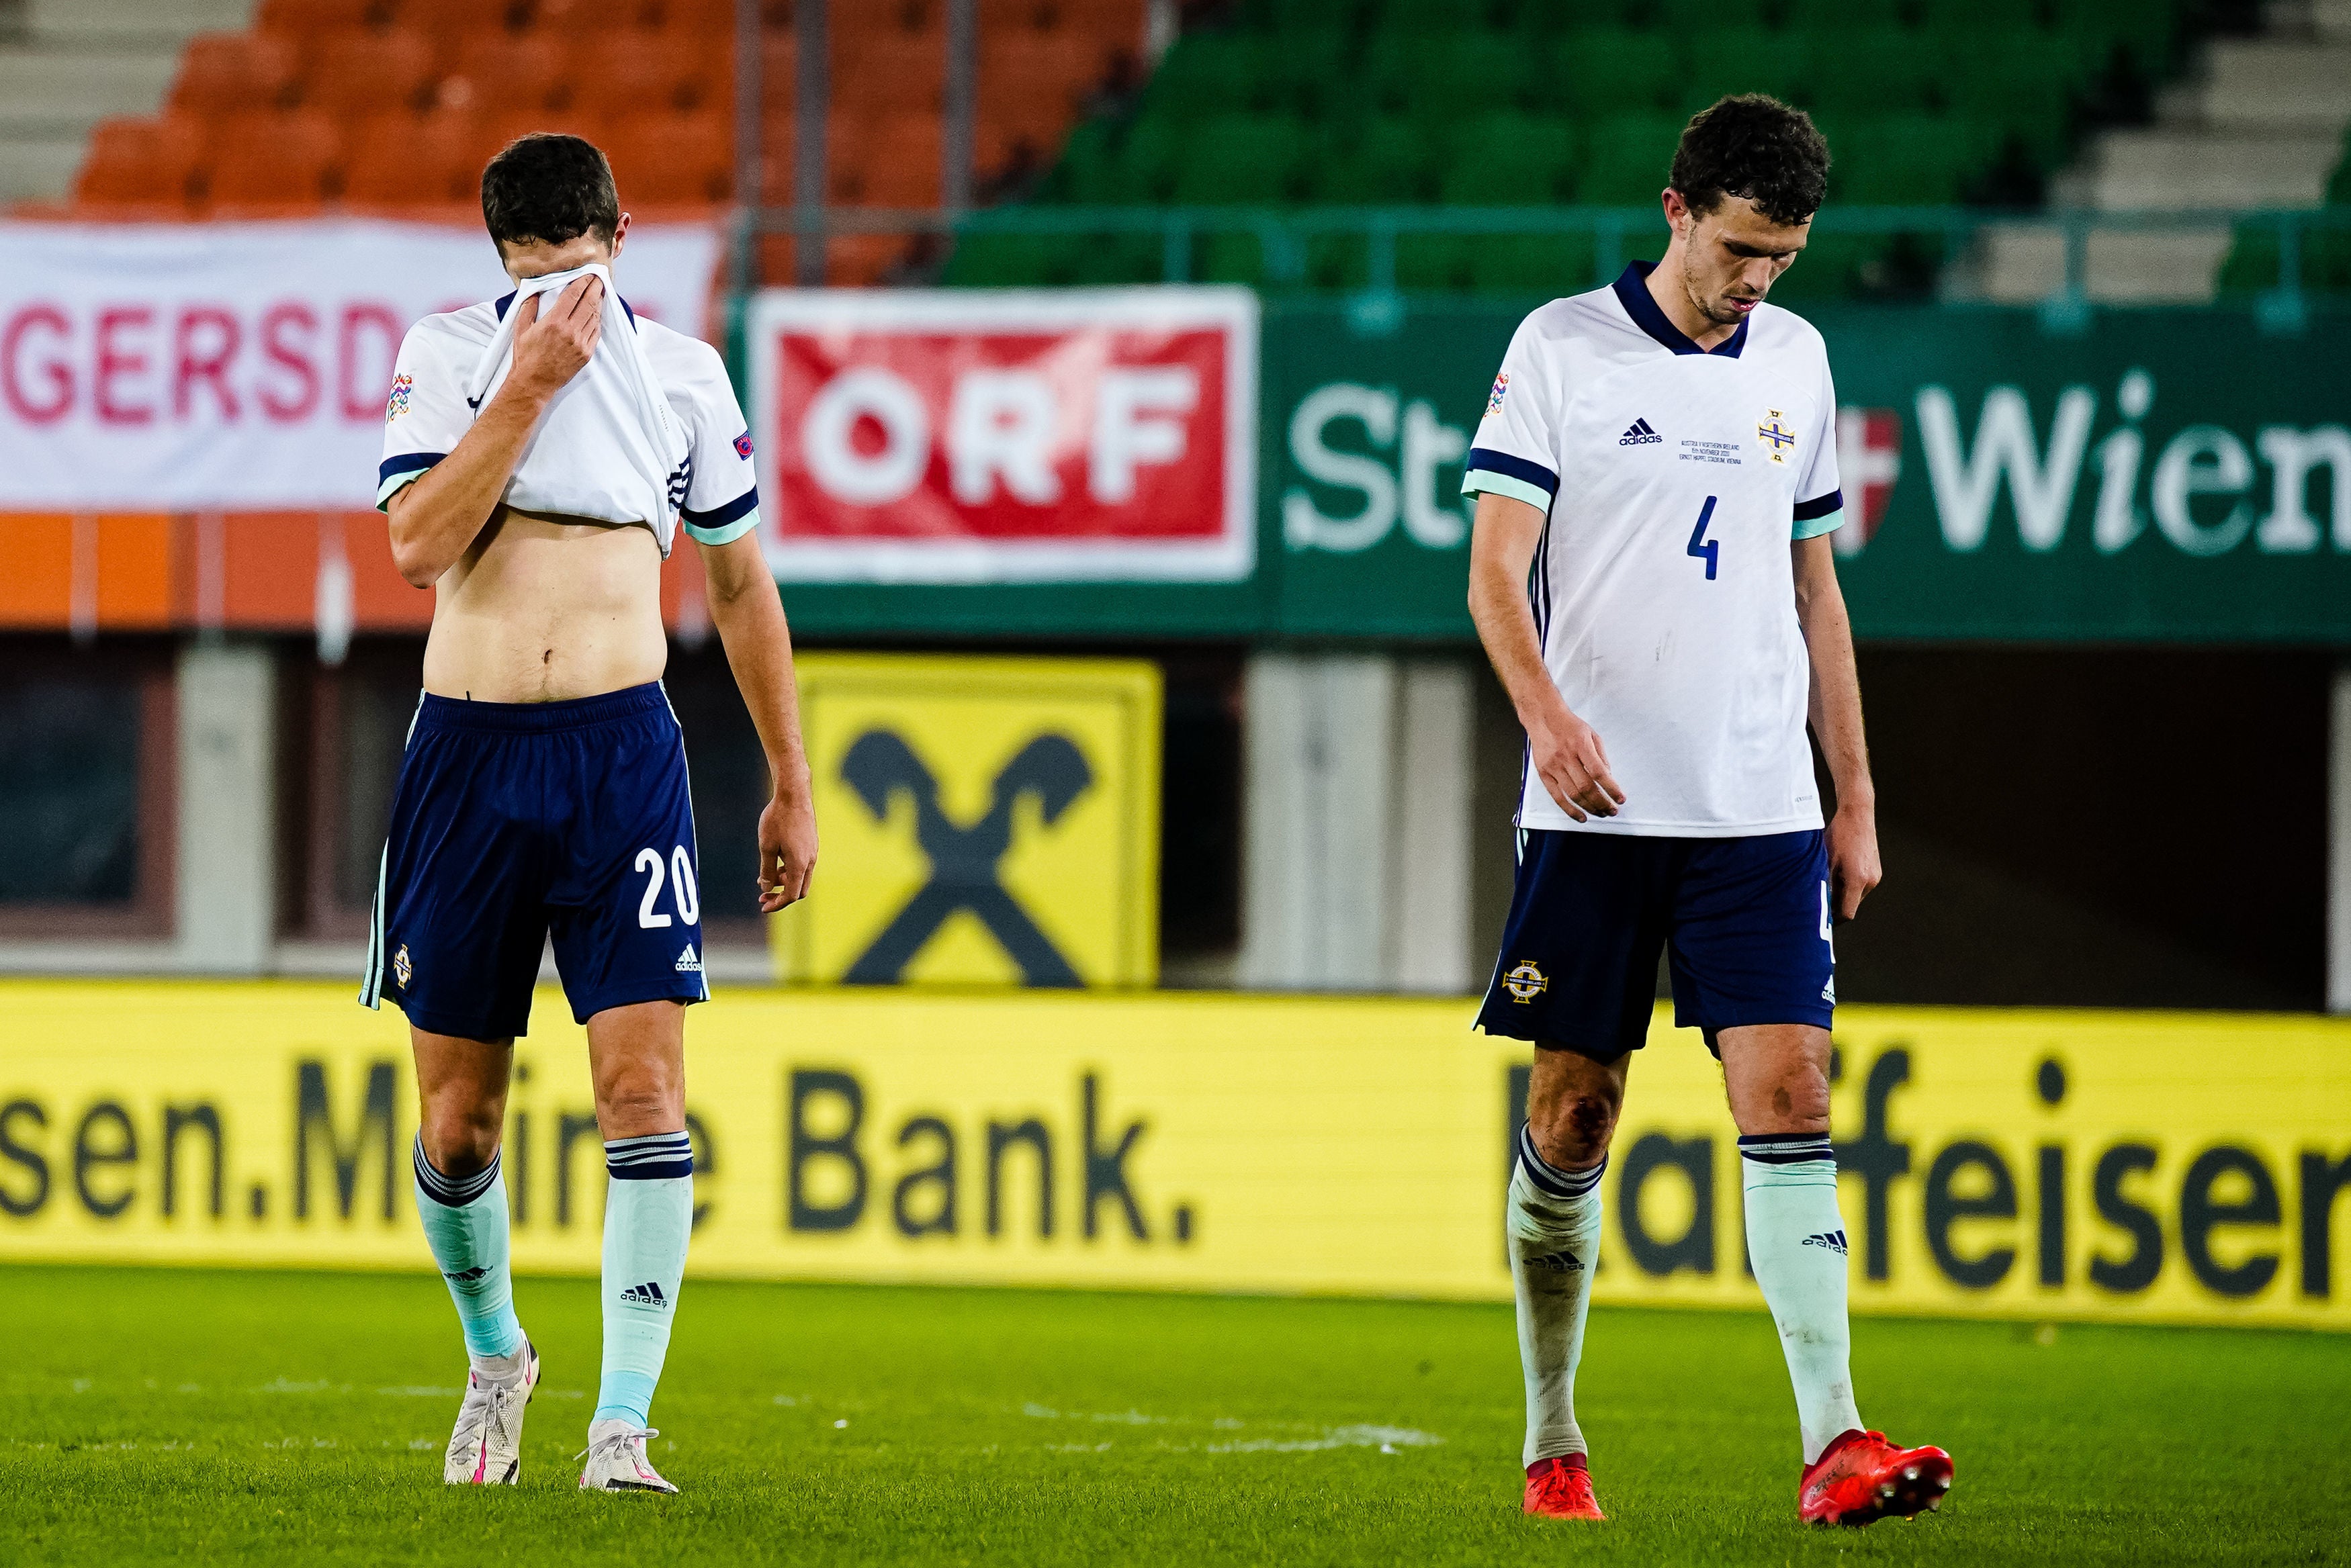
(1673,480)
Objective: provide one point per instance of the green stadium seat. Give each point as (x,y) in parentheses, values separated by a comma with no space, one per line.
(1747,59)
(1435,16)
(1154,147)
(1875,70)
(1309,72)
(1546,265)
(2023,82)
(2148,35)
(1979,16)
(2338,185)
(1013,261)
(1089,170)
(1294,15)
(1383,162)
(1240,158)
(1510,161)
(1438,77)
(1608,70)
(1838,17)
(1900,161)
(1208,74)
(1433,264)
(1691,18)
(1627,159)
(2253,262)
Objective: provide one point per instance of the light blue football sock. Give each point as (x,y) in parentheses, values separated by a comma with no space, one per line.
(648,1217)
(1795,1239)
(1553,1218)
(466,1225)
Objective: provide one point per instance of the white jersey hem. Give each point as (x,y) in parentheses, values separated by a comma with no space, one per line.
(1559,821)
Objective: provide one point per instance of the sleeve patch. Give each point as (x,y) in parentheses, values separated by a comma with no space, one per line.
(403,385)
(743,446)
(1494,399)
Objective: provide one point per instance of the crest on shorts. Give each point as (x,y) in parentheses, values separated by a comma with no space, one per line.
(401,966)
(1494,399)
(1525,981)
(1774,436)
(397,404)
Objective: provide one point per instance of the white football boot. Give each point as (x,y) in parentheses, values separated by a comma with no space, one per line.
(487,1447)
(616,1460)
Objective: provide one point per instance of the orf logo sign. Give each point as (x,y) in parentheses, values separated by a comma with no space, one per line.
(1082,436)
(987,821)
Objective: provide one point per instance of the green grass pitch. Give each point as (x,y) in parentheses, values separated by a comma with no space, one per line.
(159,1415)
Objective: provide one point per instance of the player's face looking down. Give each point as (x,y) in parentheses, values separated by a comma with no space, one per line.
(525,259)
(1722,262)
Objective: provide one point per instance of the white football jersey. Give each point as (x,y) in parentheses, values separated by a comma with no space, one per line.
(1672,480)
(427,413)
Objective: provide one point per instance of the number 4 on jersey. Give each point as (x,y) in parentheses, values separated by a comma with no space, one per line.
(1706,550)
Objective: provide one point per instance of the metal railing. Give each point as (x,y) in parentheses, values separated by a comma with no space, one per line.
(1284,233)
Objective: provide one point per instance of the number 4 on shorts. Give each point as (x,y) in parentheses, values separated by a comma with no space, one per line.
(1706,550)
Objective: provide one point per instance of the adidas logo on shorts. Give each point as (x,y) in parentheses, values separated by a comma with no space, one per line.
(647,1295)
(688,963)
(1640,435)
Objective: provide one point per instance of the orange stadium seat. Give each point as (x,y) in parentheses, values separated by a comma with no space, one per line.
(710,18)
(883,72)
(637,72)
(503,125)
(352,71)
(410,160)
(301,18)
(269,163)
(896,164)
(229,73)
(492,72)
(140,167)
(664,158)
(873,17)
(1064,68)
(462,16)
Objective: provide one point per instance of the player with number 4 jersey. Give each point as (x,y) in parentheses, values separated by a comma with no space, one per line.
(1651,575)
(542,452)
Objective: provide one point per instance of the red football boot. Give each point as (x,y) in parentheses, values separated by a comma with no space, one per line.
(1562,1489)
(1861,1478)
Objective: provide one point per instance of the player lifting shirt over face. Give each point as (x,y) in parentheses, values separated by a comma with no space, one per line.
(1652,577)
(541,452)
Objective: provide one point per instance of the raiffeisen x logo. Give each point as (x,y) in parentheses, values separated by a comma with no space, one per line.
(965,861)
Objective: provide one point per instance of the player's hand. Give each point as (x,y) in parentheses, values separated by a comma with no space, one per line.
(553,346)
(786,852)
(1853,867)
(1573,767)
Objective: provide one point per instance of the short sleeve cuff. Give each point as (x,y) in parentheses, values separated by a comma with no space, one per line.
(405,469)
(725,524)
(1479,480)
(1822,515)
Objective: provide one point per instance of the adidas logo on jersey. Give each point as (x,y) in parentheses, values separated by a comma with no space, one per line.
(1640,435)
(1557,1262)
(1833,1240)
(647,1295)
(688,963)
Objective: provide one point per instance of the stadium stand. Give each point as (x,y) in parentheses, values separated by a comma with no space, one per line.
(392,106)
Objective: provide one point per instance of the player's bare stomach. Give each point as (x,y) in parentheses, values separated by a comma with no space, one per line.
(543,609)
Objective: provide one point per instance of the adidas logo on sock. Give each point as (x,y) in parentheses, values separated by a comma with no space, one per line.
(1557,1262)
(1640,435)
(688,963)
(1833,1240)
(467,1276)
(650,1294)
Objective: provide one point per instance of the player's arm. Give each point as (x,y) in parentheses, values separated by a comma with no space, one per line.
(435,518)
(1853,867)
(1566,752)
(750,617)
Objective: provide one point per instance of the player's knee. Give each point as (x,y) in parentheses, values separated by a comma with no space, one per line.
(637,1105)
(459,1140)
(1574,1130)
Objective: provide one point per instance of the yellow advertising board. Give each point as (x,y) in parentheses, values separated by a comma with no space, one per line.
(2151,1167)
(985,822)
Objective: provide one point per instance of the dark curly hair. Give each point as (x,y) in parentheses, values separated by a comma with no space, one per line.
(1753,146)
(549,188)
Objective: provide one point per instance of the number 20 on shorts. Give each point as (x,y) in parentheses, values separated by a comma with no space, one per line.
(1706,550)
(682,892)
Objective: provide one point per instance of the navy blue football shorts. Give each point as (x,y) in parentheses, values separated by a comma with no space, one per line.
(515,821)
(1745,920)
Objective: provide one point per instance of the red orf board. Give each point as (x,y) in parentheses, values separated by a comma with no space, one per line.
(975,437)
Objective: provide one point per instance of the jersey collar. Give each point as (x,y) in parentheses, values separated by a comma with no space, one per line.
(508,298)
(1632,288)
